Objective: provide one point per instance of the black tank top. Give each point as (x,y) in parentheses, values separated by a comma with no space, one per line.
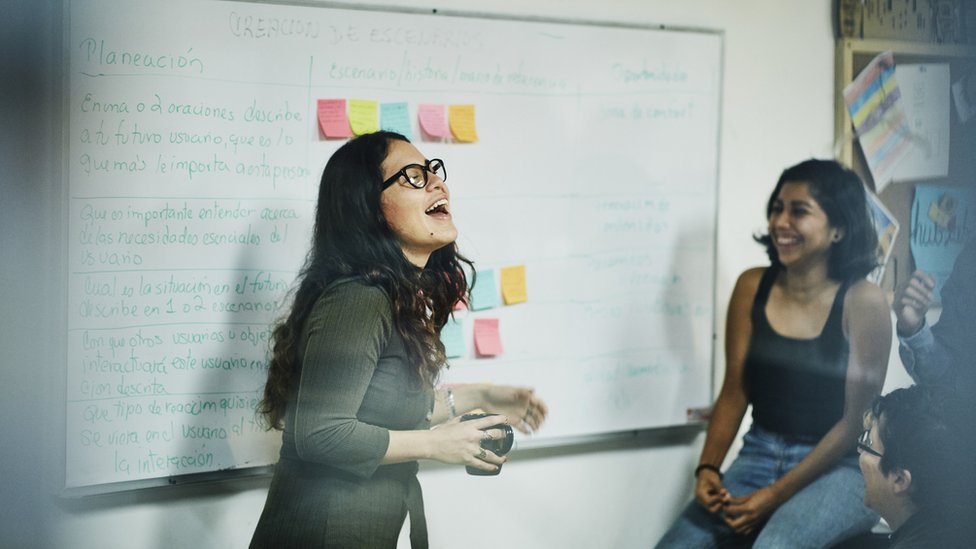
(796,386)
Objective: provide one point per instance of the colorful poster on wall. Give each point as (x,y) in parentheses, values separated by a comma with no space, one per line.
(942,220)
(887,228)
(873,101)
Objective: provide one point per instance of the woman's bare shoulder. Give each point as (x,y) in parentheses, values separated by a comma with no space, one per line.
(866,294)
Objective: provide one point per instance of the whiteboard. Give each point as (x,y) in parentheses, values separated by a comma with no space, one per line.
(193,158)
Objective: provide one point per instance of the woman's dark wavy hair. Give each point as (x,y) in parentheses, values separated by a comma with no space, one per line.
(840,193)
(351,238)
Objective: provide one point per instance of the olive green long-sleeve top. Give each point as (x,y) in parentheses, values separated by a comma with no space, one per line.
(356,384)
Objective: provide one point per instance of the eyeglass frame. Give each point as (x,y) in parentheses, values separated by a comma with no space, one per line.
(862,444)
(425,170)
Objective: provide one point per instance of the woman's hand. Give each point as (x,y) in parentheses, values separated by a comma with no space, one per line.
(460,442)
(709,491)
(745,513)
(516,402)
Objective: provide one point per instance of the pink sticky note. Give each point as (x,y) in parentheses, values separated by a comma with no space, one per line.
(332,118)
(487,339)
(433,122)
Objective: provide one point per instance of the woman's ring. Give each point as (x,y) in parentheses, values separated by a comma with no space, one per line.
(487,436)
(482,454)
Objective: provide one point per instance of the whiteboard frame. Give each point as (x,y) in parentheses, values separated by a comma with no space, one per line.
(652,436)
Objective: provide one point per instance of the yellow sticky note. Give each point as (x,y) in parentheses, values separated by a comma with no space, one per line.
(513,285)
(363,116)
(461,119)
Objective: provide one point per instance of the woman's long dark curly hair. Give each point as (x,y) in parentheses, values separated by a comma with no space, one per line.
(351,238)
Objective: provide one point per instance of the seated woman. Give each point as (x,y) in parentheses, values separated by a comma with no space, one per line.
(807,345)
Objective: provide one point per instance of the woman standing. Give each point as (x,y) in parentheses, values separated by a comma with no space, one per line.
(353,367)
(807,345)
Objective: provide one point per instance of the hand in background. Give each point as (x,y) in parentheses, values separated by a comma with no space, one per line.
(525,409)
(912,302)
(709,491)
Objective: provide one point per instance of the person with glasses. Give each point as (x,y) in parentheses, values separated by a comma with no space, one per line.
(353,368)
(807,345)
(917,459)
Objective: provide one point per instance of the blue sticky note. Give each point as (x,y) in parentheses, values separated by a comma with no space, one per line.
(484,294)
(452,336)
(395,117)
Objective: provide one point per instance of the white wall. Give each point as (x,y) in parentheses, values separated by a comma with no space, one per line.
(777,109)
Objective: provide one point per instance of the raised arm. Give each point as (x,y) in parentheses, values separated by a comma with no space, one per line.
(932,355)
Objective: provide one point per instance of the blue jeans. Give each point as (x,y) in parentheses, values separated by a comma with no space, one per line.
(825,512)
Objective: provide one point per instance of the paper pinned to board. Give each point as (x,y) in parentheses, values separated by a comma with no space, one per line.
(942,221)
(879,119)
(887,227)
(925,99)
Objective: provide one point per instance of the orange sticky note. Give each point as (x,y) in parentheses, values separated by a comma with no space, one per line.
(363,116)
(513,285)
(487,339)
(432,121)
(462,122)
(332,118)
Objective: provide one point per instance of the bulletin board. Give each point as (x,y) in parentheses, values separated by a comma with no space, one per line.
(193,154)
(957,63)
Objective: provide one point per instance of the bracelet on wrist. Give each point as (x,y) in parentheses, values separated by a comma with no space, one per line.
(708,467)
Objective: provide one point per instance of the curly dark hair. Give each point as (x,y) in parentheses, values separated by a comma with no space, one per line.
(351,238)
(841,194)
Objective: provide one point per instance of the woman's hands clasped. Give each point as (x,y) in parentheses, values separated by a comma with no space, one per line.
(742,513)
(746,513)
(460,442)
(709,491)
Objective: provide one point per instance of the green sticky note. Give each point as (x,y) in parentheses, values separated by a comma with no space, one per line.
(452,336)
(395,117)
(484,294)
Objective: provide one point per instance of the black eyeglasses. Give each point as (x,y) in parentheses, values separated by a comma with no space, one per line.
(864,444)
(416,174)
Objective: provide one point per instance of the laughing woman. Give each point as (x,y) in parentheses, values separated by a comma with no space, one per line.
(807,345)
(353,366)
